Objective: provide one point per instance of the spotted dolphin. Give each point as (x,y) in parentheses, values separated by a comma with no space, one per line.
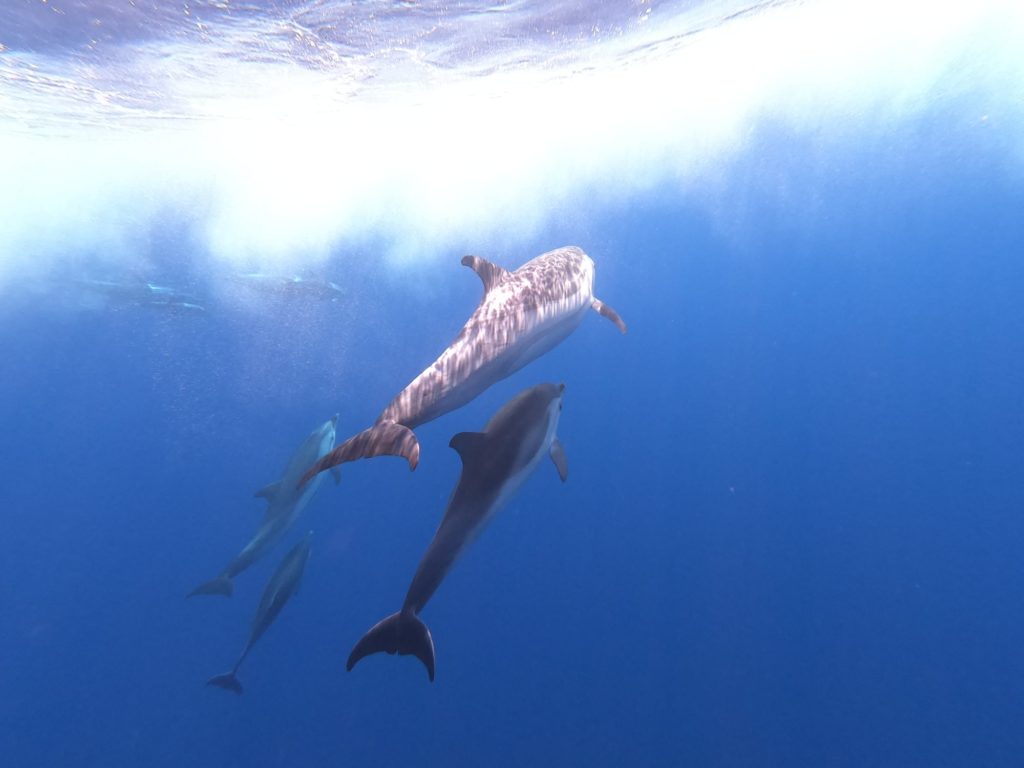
(522,315)
(279,590)
(495,463)
(285,503)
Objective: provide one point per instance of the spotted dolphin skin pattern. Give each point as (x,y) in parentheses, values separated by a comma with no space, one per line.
(522,315)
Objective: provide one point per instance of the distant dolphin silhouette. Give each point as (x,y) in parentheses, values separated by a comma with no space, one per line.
(140,293)
(495,463)
(294,287)
(279,590)
(522,315)
(286,501)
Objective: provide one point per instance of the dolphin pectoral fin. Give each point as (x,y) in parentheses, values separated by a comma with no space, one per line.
(605,311)
(385,438)
(228,682)
(222,585)
(336,474)
(561,462)
(490,274)
(268,492)
(401,633)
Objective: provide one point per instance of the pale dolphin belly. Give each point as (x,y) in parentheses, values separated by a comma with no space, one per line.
(483,355)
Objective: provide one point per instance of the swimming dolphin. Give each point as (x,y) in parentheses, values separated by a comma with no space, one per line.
(139,293)
(282,585)
(522,315)
(495,463)
(172,299)
(286,501)
(292,287)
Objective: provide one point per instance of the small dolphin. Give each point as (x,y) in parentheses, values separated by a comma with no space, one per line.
(522,315)
(140,293)
(282,585)
(172,299)
(495,463)
(285,503)
(290,287)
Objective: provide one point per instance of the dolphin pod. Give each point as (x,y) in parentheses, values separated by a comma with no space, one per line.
(522,315)
(495,463)
(279,590)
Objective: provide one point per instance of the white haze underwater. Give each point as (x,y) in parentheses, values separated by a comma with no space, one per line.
(281,151)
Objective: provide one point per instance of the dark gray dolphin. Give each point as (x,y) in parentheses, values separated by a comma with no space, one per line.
(279,590)
(495,463)
(285,503)
(522,315)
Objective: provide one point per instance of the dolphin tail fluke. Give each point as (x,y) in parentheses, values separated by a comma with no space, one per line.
(605,311)
(402,633)
(228,682)
(385,438)
(222,585)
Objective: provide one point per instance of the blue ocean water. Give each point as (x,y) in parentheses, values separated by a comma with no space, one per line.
(791,531)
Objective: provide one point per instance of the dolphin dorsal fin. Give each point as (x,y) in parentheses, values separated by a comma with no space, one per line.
(490,274)
(468,445)
(268,492)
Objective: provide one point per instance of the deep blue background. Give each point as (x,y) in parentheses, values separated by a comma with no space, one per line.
(790,536)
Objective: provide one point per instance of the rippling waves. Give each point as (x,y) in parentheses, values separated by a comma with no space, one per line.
(113,63)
